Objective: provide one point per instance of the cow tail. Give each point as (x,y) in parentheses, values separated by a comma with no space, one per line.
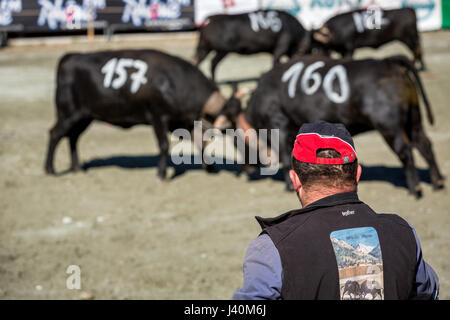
(403,61)
(203,48)
(64,98)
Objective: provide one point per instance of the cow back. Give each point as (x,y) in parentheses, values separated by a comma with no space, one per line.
(252,32)
(354,29)
(130,86)
(357,93)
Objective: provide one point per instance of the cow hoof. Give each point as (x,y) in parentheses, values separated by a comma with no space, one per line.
(417,193)
(439,185)
(75,169)
(210,168)
(50,171)
(161,178)
(249,169)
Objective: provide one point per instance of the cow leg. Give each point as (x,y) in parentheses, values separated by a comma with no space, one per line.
(418,57)
(285,155)
(215,61)
(200,145)
(58,131)
(423,144)
(348,53)
(281,48)
(201,54)
(285,147)
(160,125)
(74,134)
(399,144)
(203,49)
(413,43)
(343,294)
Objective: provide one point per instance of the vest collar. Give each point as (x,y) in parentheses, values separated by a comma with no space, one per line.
(330,201)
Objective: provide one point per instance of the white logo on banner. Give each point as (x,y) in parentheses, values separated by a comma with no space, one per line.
(271,21)
(118,67)
(335,73)
(7,8)
(69,14)
(139,11)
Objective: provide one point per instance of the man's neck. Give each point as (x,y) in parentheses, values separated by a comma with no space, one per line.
(314,195)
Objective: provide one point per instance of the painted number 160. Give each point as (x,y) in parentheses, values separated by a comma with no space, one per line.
(310,74)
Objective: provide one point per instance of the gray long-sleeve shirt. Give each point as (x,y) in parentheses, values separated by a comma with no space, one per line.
(263,273)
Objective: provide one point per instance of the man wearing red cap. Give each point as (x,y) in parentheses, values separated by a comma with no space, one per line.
(336,246)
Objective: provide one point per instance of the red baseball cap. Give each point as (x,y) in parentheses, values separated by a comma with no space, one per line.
(323,135)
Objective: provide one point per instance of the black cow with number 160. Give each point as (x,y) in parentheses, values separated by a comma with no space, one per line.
(363,95)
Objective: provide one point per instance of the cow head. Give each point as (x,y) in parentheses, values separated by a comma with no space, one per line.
(323,35)
(214,105)
(228,116)
(247,137)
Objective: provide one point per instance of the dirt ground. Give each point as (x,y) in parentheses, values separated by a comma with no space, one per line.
(136,238)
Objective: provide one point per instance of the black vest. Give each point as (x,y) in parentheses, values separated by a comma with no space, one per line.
(339,248)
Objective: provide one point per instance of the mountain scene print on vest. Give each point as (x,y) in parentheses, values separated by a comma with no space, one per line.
(360,264)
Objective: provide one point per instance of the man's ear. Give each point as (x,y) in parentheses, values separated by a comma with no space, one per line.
(295,180)
(358,173)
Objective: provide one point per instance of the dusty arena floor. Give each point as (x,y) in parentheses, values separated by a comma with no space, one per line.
(136,238)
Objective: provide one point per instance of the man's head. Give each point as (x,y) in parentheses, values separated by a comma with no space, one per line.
(324,161)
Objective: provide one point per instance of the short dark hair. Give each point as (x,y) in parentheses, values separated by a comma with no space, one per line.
(336,175)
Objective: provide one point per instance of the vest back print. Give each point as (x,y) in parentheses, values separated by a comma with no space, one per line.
(360,264)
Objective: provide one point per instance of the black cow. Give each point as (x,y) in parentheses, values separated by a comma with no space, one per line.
(271,31)
(362,94)
(374,290)
(126,88)
(371,27)
(353,289)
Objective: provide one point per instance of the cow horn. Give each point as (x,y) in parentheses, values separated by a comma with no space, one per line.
(322,35)
(214,104)
(242,93)
(265,152)
(242,122)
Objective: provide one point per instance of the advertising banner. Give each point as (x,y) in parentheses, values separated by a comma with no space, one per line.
(205,8)
(66,15)
(313,13)
(446,14)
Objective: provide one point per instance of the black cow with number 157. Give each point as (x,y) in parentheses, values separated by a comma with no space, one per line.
(127,88)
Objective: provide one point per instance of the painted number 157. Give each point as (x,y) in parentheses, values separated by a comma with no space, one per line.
(117,67)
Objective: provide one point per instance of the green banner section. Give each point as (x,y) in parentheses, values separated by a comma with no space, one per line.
(445,13)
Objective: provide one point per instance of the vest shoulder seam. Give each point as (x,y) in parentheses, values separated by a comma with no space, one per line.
(296,227)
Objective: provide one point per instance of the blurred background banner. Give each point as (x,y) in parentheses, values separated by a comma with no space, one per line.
(66,15)
(205,8)
(313,13)
(446,14)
